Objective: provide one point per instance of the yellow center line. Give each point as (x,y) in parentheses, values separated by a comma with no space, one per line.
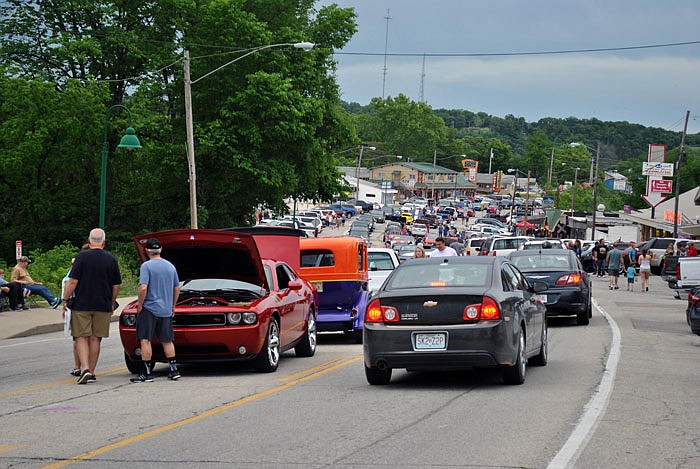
(113,371)
(309,370)
(203,415)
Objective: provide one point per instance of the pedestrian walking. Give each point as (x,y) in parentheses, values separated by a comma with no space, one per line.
(645,269)
(95,280)
(159,288)
(600,252)
(613,260)
(630,278)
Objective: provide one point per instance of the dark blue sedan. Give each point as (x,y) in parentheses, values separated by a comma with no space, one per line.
(455,313)
(569,286)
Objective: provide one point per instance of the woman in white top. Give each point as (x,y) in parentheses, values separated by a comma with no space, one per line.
(645,269)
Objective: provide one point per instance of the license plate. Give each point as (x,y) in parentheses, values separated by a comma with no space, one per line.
(431,341)
(318,285)
(543,298)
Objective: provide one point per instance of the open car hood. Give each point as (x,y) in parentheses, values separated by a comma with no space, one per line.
(209,254)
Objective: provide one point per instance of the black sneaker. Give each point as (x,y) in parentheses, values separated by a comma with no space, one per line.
(85,377)
(142,378)
(174,375)
(56,302)
(75,372)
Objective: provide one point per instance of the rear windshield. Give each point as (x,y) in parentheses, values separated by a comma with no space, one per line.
(420,275)
(507,244)
(380,261)
(543,262)
(317,258)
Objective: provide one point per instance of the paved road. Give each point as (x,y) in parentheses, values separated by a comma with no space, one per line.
(320,412)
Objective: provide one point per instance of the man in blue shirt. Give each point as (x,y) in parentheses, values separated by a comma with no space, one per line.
(159,288)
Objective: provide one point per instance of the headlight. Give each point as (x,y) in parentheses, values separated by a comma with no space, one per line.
(128,320)
(234,318)
(250,318)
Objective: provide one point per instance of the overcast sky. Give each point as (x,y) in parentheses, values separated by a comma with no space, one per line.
(653,87)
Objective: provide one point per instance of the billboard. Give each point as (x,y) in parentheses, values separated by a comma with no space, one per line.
(657,169)
(471,168)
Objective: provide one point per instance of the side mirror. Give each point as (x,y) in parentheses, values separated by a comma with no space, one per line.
(538,286)
(294,285)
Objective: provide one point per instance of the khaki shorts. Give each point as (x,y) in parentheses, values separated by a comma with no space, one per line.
(90,323)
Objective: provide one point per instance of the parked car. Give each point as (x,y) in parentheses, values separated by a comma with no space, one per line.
(687,274)
(693,311)
(338,269)
(455,313)
(569,286)
(419,229)
(382,262)
(657,246)
(473,246)
(502,246)
(378,216)
(541,244)
(241,298)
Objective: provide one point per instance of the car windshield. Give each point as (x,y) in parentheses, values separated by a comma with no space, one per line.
(543,262)
(421,275)
(223,287)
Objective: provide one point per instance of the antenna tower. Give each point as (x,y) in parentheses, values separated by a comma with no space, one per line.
(386,43)
(421,97)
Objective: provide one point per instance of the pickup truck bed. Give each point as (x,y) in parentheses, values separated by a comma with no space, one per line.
(688,274)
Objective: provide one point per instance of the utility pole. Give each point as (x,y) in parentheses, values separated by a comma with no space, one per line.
(432,196)
(490,160)
(189,127)
(527,199)
(678,176)
(421,94)
(573,195)
(595,191)
(551,163)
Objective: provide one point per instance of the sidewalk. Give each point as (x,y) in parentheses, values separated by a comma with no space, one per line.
(40,320)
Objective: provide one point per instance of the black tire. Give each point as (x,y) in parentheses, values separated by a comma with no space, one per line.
(515,374)
(307,346)
(541,358)
(268,358)
(583,318)
(377,377)
(357,336)
(135,367)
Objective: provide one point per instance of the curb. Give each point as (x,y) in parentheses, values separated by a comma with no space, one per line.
(46,328)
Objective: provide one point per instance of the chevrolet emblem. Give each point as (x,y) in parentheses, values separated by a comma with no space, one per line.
(430,304)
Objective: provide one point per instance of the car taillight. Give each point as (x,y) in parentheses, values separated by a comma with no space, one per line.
(487,310)
(693,299)
(494,253)
(568,279)
(678,271)
(377,313)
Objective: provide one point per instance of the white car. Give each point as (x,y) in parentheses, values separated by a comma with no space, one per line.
(382,261)
(505,245)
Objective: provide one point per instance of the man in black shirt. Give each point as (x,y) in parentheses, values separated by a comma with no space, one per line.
(600,253)
(95,279)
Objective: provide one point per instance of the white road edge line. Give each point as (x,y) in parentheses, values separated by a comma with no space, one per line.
(577,441)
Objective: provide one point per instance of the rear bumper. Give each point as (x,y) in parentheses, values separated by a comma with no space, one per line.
(468,346)
(566,302)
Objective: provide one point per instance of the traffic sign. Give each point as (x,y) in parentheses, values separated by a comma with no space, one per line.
(18,249)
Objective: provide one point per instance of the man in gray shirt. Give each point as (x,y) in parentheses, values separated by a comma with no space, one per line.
(159,288)
(613,260)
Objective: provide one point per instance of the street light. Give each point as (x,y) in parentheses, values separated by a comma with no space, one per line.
(573,196)
(512,199)
(357,171)
(129,140)
(306,46)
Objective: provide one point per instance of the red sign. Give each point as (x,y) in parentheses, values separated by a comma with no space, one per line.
(665,186)
(18,249)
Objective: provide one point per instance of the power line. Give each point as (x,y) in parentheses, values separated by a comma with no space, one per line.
(505,54)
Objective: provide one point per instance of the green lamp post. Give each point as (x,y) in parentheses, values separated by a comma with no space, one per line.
(129,140)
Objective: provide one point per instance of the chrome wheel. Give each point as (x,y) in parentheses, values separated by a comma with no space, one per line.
(269,356)
(307,346)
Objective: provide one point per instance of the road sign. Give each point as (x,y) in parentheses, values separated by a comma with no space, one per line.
(657,169)
(18,249)
(664,186)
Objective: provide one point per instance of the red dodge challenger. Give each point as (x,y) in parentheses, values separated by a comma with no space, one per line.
(241,297)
